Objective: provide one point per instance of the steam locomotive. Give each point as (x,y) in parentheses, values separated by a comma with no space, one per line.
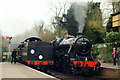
(34,52)
(73,54)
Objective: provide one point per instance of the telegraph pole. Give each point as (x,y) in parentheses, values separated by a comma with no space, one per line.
(9,44)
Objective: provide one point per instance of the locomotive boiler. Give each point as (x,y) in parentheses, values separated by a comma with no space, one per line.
(73,54)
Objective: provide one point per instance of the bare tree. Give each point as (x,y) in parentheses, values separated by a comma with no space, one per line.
(116,6)
(106,8)
(39,26)
(59,7)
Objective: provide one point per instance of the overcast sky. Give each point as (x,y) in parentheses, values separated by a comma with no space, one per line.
(16,16)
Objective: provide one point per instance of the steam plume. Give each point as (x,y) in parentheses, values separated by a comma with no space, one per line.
(80,13)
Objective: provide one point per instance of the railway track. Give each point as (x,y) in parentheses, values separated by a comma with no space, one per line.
(96,76)
(66,76)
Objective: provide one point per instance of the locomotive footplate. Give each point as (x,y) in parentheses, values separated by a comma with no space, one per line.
(40,62)
(86,63)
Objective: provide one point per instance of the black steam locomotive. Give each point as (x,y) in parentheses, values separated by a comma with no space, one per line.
(73,54)
(33,51)
(69,54)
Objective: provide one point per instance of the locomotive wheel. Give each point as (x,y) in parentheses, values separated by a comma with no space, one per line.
(42,68)
(73,70)
(87,71)
(38,67)
(67,70)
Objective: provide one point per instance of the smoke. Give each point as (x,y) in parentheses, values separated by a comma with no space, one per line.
(80,13)
(16,40)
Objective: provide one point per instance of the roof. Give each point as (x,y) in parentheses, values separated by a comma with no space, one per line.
(114,14)
(33,39)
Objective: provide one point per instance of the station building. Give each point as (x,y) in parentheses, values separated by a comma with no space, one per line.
(116,21)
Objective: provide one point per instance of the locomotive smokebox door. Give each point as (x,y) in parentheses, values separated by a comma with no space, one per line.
(40,51)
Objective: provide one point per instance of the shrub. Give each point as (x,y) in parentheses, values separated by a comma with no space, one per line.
(112,37)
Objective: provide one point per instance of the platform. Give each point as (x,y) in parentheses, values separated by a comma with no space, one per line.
(110,65)
(21,71)
(108,70)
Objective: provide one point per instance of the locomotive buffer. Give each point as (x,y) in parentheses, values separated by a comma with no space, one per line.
(21,71)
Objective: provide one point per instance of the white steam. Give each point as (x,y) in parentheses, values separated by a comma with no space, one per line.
(80,13)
